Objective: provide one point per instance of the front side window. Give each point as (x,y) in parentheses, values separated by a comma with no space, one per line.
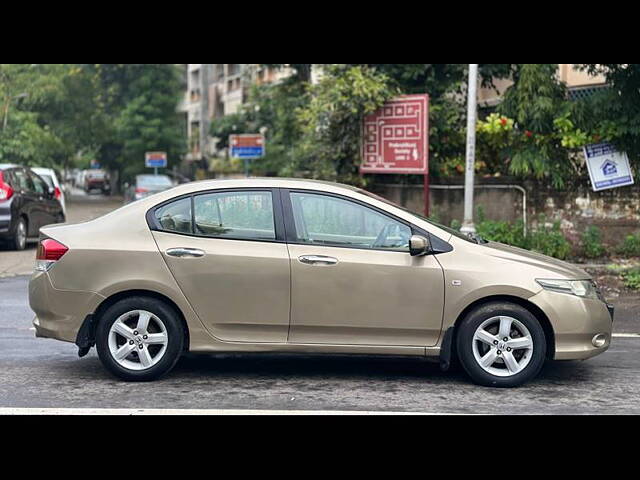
(325,220)
(175,216)
(240,215)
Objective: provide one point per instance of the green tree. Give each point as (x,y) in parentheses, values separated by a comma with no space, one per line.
(48,112)
(330,146)
(534,101)
(137,105)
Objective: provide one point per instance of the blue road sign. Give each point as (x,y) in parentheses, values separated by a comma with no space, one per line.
(247,146)
(155,160)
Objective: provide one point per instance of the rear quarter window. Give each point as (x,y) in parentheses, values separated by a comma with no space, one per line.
(175,216)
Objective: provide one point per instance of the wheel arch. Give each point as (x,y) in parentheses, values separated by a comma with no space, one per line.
(91,322)
(532,308)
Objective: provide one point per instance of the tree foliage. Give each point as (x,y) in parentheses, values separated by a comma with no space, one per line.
(64,114)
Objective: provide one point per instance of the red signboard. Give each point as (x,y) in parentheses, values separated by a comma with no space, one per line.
(396,137)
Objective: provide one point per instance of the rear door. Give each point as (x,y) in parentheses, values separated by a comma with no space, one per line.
(30,208)
(47,205)
(227,252)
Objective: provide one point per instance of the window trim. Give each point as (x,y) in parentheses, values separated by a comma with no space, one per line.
(290,227)
(276,204)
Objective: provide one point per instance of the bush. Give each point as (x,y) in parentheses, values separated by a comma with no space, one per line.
(550,241)
(503,232)
(631,278)
(630,247)
(592,243)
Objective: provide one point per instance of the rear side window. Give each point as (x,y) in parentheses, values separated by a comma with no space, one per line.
(176,216)
(38,184)
(22,181)
(240,215)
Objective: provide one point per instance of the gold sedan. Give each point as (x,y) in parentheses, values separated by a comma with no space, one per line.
(276,265)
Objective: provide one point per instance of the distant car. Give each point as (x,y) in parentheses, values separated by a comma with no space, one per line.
(26,204)
(146,185)
(49,176)
(96,179)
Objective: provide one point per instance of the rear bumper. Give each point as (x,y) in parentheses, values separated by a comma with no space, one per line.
(575,322)
(59,313)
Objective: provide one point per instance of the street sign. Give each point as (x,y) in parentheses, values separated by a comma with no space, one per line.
(155,160)
(607,167)
(396,137)
(247,146)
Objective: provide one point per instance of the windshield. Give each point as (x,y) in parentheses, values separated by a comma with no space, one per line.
(452,231)
(155,180)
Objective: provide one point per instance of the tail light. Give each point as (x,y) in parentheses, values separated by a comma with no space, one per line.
(5,189)
(49,252)
(141,190)
(57,193)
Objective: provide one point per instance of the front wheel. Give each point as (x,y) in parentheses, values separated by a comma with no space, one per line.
(139,339)
(501,345)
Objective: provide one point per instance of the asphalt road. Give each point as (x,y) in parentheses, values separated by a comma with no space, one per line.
(42,373)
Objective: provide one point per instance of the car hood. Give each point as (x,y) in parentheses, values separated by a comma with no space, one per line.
(556,268)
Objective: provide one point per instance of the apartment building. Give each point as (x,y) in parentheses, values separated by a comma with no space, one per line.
(214,90)
(578,83)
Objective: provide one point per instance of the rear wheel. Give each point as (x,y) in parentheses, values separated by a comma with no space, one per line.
(139,339)
(19,239)
(501,345)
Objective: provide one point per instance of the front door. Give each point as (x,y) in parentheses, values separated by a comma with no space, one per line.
(353,281)
(231,262)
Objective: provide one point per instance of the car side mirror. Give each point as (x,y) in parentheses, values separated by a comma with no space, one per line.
(419,246)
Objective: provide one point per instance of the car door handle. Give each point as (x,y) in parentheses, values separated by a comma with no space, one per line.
(317,260)
(185,252)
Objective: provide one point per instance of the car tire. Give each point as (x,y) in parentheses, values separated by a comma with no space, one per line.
(490,360)
(110,340)
(19,239)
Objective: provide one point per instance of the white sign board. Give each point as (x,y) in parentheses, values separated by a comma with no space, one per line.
(608,168)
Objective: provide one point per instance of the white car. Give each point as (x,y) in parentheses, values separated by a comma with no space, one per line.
(49,176)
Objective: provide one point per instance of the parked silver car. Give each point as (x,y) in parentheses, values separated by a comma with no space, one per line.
(146,185)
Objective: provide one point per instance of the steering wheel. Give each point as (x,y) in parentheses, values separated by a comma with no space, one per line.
(386,231)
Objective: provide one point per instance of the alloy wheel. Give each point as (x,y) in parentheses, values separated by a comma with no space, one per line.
(502,346)
(138,340)
(21,235)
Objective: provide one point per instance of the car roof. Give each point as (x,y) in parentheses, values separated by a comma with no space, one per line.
(42,169)
(150,175)
(265,182)
(4,166)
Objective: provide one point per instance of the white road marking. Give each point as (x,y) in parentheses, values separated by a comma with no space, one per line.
(162,411)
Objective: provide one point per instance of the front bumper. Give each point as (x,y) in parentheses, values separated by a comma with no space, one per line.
(575,322)
(59,313)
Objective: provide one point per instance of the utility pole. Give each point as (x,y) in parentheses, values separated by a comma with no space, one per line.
(468,226)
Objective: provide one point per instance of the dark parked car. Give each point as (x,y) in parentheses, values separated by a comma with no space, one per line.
(26,204)
(146,185)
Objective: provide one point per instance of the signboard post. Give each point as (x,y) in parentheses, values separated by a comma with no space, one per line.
(395,139)
(247,147)
(607,167)
(155,160)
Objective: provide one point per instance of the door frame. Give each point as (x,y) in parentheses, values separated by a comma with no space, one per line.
(278,215)
(290,227)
